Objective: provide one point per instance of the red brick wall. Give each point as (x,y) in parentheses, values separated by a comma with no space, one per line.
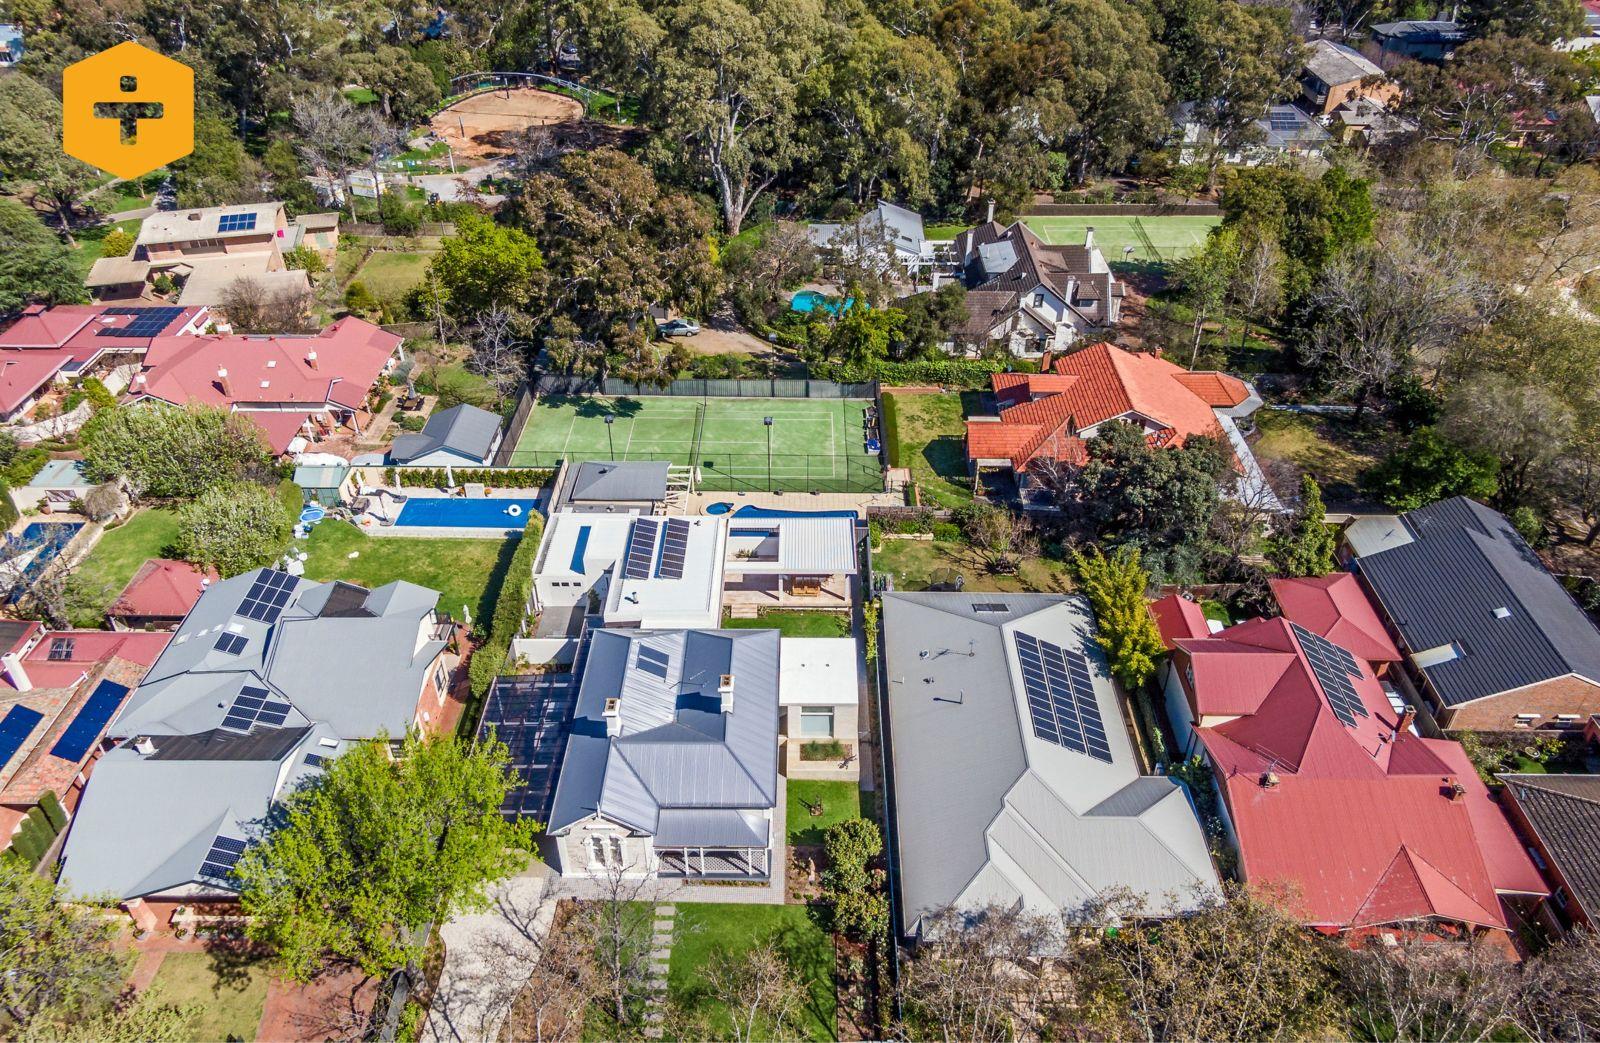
(1560,695)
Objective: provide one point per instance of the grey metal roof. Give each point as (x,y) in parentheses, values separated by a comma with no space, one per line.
(1564,811)
(624,481)
(711,827)
(676,750)
(986,811)
(1335,64)
(465,429)
(1422,31)
(1463,564)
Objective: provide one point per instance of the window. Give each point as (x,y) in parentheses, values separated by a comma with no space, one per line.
(816,722)
(440,681)
(1038,300)
(606,851)
(1525,720)
(1561,898)
(61,648)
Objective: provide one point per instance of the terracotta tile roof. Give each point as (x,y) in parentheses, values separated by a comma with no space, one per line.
(1335,607)
(163,589)
(1218,390)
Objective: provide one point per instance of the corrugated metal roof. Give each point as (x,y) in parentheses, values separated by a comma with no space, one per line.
(627,481)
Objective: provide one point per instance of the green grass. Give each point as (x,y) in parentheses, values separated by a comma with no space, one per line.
(927,433)
(840,802)
(466,571)
(1218,611)
(794,623)
(91,244)
(390,276)
(1172,236)
(912,563)
(707,932)
(816,444)
(230,996)
(938,232)
(1332,449)
(361,96)
(114,560)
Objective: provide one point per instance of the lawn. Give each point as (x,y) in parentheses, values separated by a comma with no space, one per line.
(939,233)
(390,276)
(927,433)
(91,243)
(114,560)
(912,563)
(794,623)
(230,995)
(1152,238)
(705,933)
(1332,449)
(468,572)
(815,444)
(840,801)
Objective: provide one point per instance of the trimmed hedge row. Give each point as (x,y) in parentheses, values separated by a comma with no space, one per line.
(436,477)
(890,412)
(509,609)
(39,830)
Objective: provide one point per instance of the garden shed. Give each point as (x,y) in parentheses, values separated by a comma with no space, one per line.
(322,483)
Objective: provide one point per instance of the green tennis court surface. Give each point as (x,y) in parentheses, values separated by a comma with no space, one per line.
(1152,238)
(816,444)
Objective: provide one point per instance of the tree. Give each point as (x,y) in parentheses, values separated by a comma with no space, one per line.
(31,155)
(861,336)
(764,262)
(850,847)
(35,267)
(499,350)
(1555,996)
(104,501)
(336,139)
(1422,988)
(930,319)
(976,977)
(1151,496)
(1432,467)
(1245,59)
(117,243)
(251,307)
(1308,220)
(1203,280)
(233,527)
(1116,586)
(379,847)
(171,451)
(1000,537)
(1491,81)
(1304,544)
(482,266)
(219,171)
(58,962)
(1542,21)
(763,996)
(619,939)
(1524,426)
(143,1018)
(404,86)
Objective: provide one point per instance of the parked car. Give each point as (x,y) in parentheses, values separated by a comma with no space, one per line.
(678,328)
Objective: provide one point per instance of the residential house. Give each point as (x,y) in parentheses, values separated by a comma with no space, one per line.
(1014,781)
(1334,74)
(1027,295)
(159,595)
(58,690)
(1558,816)
(47,346)
(888,239)
(1335,607)
(1283,132)
(204,251)
(819,692)
(1429,40)
(1491,639)
(10,45)
(56,487)
(295,388)
(461,436)
(1329,791)
(797,561)
(268,678)
(1049,416)
(613,487)
(671,767)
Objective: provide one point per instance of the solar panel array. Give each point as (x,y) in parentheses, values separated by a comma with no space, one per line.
(236,222)
(641,549)
(1061,697)
(1284,120)
(652,661)
(674,546)
(316,760)
(1334,668)
(90,721)
(232,644)
(61,648)
(18,724)
(267,596)
(254,706)
(147,322)
(222,857)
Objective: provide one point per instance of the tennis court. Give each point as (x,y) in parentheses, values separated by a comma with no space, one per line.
(1152,238)
(815,444)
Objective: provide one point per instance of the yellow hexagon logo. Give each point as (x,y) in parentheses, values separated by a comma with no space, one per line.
(127,110)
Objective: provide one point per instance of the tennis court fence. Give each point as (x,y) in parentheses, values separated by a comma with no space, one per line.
(745,471)
(553,385)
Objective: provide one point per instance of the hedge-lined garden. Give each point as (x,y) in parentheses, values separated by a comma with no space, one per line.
(39,830)
(509,610)
(438,477)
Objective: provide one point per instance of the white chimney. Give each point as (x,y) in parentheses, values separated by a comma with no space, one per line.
(222,378)
(986,220)
(144,745)
(1088,238)
(15,673)
(613,716)
(725,690)
(311,358)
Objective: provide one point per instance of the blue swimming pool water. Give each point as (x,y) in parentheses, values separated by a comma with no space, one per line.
(752,511)
(448,512)
(807,301)
(47,538)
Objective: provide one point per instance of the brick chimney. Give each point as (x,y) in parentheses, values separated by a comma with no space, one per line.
(725,690)
(1407,716)
(222,378)
(613,716)
(311,358)
(1454,790)
(15,673)
(144,745)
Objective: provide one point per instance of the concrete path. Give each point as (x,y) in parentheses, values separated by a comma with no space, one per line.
(488,959)
(660,962)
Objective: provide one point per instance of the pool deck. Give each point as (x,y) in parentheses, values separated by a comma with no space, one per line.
(697,503)
(386,509)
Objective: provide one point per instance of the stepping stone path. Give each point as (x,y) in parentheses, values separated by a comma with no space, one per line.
(660,958)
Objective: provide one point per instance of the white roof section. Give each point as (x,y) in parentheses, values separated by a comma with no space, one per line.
(1371,533)
(817,671)
(181,226)
(594,548)
(986,809)
(211,277)
(792,546)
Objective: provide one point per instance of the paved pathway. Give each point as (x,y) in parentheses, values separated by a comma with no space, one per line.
(488,958)
(660,962)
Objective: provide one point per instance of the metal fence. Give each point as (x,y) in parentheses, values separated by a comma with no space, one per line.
(553,385)
(718,471)
(514,426)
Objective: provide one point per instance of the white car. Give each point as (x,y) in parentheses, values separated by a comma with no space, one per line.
(678,328)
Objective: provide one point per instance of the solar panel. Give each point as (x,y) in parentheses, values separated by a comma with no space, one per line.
(232,644)
(316,760)
(266,597)
(61,648)
(236,222)
(147,322)
(641,549)
(989,606)
(1061,700)
(15,729)
(674,546)
(222,857)
(652,662)
(85,729)
(1334,668)
(254,706)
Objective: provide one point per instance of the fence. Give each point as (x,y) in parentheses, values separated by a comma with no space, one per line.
(718,471)
(552,385)
(371,228)
(514,426)
(1123,210)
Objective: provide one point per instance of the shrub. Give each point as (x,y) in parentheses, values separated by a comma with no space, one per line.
(510,609)
(8,510)
(50,804)
(305,259)
(117,243)
(359,300)
(828,750)
(413,422)
(850,846)
(234,527)
(163,284)
(959,373)
(862,915)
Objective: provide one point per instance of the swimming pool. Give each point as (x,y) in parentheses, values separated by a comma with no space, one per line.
(451,512)
(33,550)
(750,510)
(807,301)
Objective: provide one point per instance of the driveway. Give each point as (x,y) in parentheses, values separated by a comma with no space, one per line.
(727,340)
(488,958)
(447,187)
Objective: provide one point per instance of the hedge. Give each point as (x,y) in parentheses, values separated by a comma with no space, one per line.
(891,428)
(962,373)
(50,804)
(509,609)
(436,477)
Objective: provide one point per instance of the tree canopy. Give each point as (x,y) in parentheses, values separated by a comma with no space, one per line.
(171,451)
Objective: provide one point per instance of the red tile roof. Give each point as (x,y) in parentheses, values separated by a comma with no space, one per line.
(1335,607)
(1367,822)
(162,588)
(22,373)
(44,340)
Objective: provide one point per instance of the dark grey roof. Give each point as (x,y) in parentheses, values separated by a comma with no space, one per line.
(465,429)
(628,481)
(1564,810)
(1467,578)
(676,750)
(11,632)
(268,744)
(1422,31)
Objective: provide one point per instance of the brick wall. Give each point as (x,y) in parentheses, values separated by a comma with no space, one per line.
(1548,699)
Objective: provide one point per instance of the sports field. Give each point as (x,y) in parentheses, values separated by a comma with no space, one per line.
(816,444)
(1152,238)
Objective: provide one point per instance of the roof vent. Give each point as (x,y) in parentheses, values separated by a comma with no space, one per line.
(1269,780)
(1502,613)
(145,745)
(613,716)
(725,690)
